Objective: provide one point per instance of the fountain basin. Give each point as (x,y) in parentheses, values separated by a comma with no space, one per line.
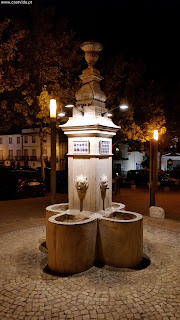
(64,207)
(53,210)
(76,241)
(120,239)
(71,243)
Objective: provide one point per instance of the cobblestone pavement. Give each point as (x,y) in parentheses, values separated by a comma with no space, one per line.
(27,292)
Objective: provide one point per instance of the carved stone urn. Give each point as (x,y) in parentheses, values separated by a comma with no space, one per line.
(91,50)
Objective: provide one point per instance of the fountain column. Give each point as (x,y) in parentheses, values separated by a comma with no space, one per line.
(90,134)
(91,228)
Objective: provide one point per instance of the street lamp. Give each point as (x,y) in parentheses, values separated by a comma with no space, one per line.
(121,107)
(53,149)
(153,168)
(73,106)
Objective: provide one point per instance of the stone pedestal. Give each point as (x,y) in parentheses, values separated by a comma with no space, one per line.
(93,165)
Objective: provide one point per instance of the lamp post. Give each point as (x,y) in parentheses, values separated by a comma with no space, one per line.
(53,149)
(153,168)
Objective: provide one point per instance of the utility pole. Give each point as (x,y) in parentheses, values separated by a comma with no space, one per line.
(53,149)
(153,168)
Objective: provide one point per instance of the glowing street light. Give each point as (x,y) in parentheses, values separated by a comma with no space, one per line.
(123,107)
(61,114)
(53,108)
(69,106)
(53,149)
(156,135)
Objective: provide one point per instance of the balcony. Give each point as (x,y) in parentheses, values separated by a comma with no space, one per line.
(33,158)
(10,158)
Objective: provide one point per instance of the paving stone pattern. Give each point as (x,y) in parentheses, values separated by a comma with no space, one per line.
(28,293)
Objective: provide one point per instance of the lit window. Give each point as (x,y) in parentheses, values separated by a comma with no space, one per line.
(10,140)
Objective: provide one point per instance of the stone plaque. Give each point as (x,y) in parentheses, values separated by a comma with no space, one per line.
(104,147)
(81,147)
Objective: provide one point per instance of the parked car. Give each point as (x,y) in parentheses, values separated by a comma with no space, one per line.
(164,180)
(28,183)
(4,182)
(140,177)
(169,179)
(26,168)
(21,183)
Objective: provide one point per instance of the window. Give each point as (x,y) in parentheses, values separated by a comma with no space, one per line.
(1,140)
(10,154)
(33,139)
(1,154)
(45,155)
(18,139)
(25,139)
(18,153)
(33,152)
(44,138)
(10,140)
(26,152)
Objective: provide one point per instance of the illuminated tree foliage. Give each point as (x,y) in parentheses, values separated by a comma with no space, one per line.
(45,55)
(36,65)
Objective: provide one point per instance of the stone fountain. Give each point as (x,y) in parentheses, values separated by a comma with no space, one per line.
(91,228)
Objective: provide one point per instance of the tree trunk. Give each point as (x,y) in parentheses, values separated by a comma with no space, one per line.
(41,152)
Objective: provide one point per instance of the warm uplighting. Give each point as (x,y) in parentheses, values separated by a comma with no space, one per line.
(61,114)
(52,108)
(156,135)
(123,107)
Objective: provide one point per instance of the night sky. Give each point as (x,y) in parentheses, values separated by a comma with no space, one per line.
(146,29)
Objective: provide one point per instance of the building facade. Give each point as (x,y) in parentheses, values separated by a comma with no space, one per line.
(175,159)
(24,149)
(125,160)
